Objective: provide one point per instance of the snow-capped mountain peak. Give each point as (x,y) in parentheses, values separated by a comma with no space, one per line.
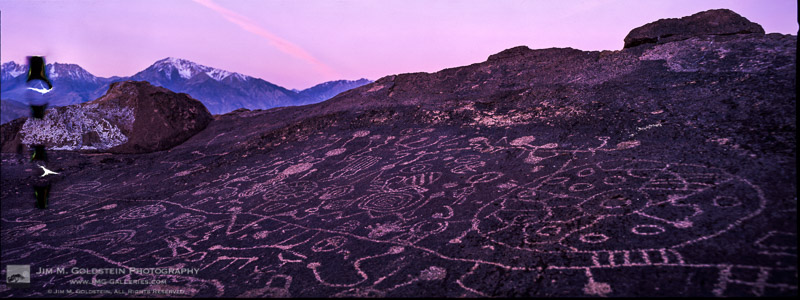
(187,69)
(219,90)
(12,69)
(72,71)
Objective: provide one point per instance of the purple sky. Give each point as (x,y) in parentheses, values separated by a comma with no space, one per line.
(300,43)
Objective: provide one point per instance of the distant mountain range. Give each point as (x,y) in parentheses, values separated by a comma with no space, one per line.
(219,90)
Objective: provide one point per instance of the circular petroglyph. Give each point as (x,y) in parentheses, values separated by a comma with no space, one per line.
(388,202)
(648,229)
(586,172)
(185,221)
(593,238)
(426,227)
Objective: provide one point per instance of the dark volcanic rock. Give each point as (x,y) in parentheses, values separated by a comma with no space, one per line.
(162,119)
(133,117)
(665,170)
(510,53)
(710,22)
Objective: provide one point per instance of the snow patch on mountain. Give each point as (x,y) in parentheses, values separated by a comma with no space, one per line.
(12,69)
(16,73)
(218,74)
(51,72)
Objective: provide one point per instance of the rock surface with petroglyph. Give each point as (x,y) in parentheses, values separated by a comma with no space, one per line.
(132,117)
(657,170)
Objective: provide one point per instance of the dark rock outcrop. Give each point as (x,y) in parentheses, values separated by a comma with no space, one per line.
(132,117)
(710,22)
(10,138)
(163,119)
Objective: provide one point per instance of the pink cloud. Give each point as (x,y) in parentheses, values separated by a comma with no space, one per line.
(279,43)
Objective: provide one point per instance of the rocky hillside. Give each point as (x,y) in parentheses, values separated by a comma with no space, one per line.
(666,168)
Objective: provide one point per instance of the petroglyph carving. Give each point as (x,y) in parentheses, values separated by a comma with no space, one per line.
(355,226)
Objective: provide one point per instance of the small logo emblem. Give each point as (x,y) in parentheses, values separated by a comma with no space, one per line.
(18,276)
